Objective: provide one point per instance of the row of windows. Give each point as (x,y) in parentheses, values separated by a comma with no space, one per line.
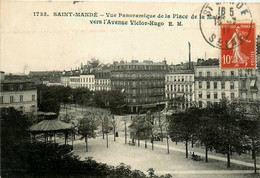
(215,95)
(11,99)
(102,88)
(186,97)
(87,80)
(141,67)
(247,95)
(32,108)
(179,78)
(179,88)
(104,82)
(215,85)
(16,86)
(74,80)
(134,92)
(136,75)
(90,86)
(208,103)
(140,83)
(223,73)
(145,100)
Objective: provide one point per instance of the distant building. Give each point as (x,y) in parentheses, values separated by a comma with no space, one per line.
(74,81)
(213,84)
(20,94)
(180,85)
(87,81)
(2,75)
(102,80)
(143,83)
(249,81)
(65,78)
(249,85)
(49,78)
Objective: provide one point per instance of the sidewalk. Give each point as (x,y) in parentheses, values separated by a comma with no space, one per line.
(200,154)
(142,159)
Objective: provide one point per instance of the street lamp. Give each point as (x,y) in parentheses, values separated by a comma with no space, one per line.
(125,121)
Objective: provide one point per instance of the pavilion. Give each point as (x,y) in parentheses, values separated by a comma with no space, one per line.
(50,127)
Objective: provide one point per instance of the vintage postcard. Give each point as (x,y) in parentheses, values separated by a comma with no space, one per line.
(139,89)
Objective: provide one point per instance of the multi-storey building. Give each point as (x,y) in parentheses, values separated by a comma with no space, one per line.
(65,79)
(46,77)
(213,84)
(249,85)
(20,94)
(87,81)
(102,80)
(249,81)
(142,83)
(74,81)
(180,84)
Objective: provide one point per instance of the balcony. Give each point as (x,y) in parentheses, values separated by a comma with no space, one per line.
(214,78)
(249,100)
(243,89)
(254,89)
(243,76)
(253,76)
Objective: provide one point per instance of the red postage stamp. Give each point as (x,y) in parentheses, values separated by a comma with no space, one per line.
(238,46)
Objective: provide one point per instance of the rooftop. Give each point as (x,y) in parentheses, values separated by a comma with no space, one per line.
(16,81)
(136,62)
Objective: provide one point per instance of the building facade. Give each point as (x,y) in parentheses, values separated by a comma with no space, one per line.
(49,78)
(102,80)
(180,84)
(74,81)
(249,84)
(213,84)
(87,81)
(22,95)
(65,80)
(142,83)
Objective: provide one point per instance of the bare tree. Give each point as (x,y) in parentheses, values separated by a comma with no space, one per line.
(86,127)
(114,124)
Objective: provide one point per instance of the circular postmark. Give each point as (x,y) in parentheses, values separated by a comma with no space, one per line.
(216,19)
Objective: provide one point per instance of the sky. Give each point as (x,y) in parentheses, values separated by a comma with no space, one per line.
(40,43)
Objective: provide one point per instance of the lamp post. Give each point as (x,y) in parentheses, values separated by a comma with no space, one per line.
(107,138)
(150,122)
(125,121)
(167,131)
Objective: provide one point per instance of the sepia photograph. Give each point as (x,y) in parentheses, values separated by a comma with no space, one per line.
(130,89)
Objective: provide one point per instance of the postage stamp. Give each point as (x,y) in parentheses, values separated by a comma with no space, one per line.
(213,15)
(230,28)
(238,46)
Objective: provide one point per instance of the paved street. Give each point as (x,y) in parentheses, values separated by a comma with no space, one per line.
(174,163)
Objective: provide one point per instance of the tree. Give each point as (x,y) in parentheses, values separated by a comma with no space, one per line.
(206,130)
(94,63)
(81,96)
(181,128)
(112,100)
(229,136)
(115,101)
(150,126)
(102,115)
(14,125)
(48,99)
(87,127)
(139,124)
(114,124)
(251,129)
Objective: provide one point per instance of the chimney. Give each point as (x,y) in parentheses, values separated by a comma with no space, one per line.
(189,55)
(2,75)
